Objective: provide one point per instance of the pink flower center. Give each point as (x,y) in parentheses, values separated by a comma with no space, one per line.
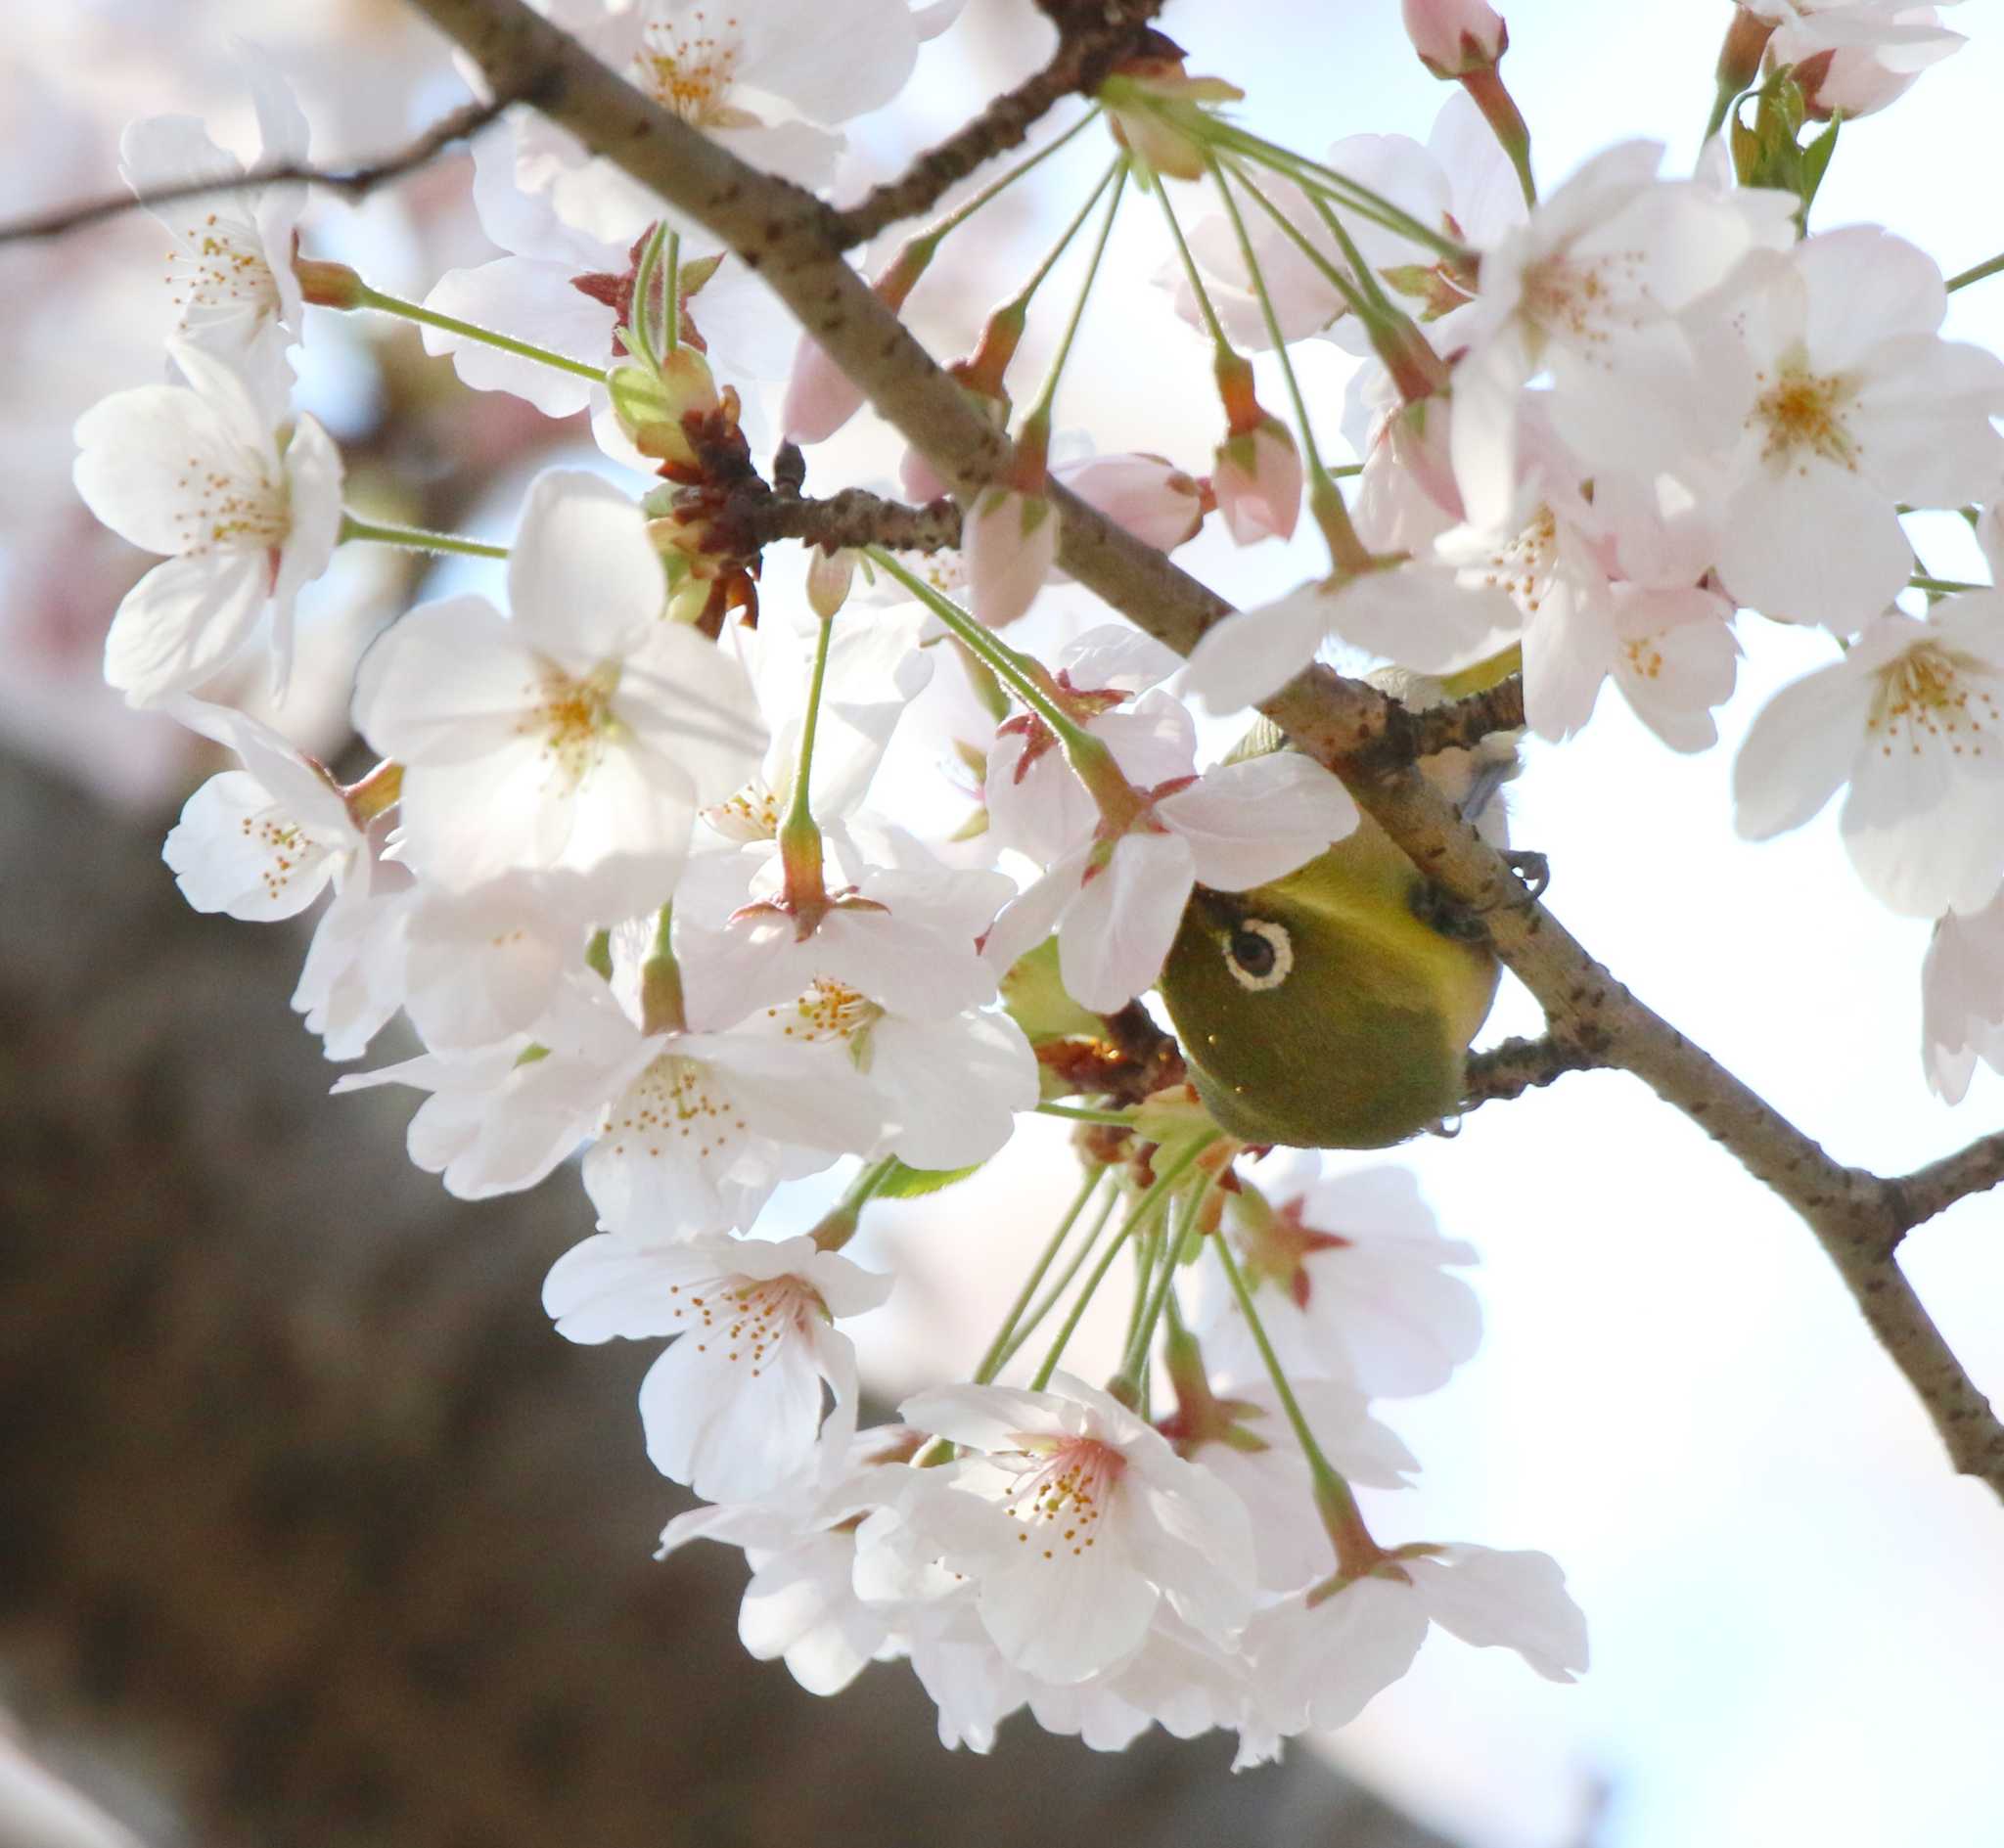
(1062,1500)
(744,1321)
(690,72)
(1803,410)
(1937,697)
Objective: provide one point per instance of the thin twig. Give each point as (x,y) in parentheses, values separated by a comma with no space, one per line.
(1465,722)
(795,243)
(1518,1065)
(352,182)
(1091,39)
(1918,1197)
(853,517)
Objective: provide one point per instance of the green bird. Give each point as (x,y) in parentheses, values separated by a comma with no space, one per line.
(1333,1008)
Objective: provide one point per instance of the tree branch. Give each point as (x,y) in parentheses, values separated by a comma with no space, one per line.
(795,241)
(853,517)
(1091,41)
(468,119)
(1518,1065)
(1918,1197)
(1461,723)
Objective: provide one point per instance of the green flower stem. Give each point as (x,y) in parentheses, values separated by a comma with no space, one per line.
(522,349)
(415,539)
(838,1226)
(1355,1549)
(1141,1333)
(1090,759)
(1151,1204)
(1346,551)
(1116,177)
(1313,177)
(1021,300)
(1976,274)
(1408,355)
(961,213)
(1218,340)
(999,1348)
(1506,122)
(1118,1120)
(799,840)
(1944,586)
(1032,1322)
(1353,291)
(1152,1254)
(1316,472)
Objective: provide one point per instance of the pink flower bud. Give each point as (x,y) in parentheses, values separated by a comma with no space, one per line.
(1258,478)
(919,478)
(829,576)
(1455,36)
(1145,495)
(820,399)
(1011,546)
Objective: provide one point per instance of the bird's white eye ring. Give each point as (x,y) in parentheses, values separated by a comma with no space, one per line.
(1261,954)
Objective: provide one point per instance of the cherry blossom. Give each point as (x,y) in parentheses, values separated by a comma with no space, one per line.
(1093,1523)
(351,982)
(1912,718)
(1240,1433)
(802,1606)
(1590,290)
(734,1408)
(231,260)
(1856,404)
(1117,900)
(581,734)
(1422,614)
(1104,680)
(1319,1658)
(1856,56)
(246,513)
(263,841)
(1349,1275)
(1962,999)
(561,287)
(768,81)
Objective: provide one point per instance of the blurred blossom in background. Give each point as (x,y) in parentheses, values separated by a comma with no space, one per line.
(1797,1611)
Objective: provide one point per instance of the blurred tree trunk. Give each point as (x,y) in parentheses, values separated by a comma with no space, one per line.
(310,1525)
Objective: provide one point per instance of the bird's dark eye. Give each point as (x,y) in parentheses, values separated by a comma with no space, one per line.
(1252,953)
(1260,954)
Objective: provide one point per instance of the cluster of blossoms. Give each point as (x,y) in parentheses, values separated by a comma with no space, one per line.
(632,866)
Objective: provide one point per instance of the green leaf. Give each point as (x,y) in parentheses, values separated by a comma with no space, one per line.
(1816,161)
(1033,992)
(908,1184)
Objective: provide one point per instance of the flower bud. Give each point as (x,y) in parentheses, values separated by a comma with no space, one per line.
(325,285)
(1154,107)
(1257,479)
(1455,36)
(1011,545)
(1144,495)
(652,406)
(829,576)
(820,397)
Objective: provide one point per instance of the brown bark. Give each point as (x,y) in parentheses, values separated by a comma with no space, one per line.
(310,1520)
